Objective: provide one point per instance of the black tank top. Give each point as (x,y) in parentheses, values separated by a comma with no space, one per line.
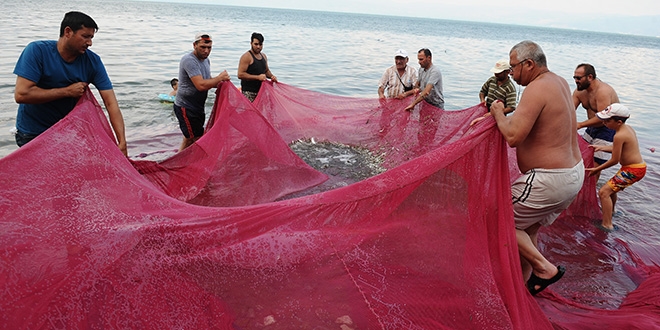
(256,68)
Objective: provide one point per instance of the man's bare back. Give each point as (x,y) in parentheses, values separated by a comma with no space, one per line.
(552,141)
(543,127)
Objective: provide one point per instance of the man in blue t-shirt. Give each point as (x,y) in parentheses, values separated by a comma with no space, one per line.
(53,75)
(194,82)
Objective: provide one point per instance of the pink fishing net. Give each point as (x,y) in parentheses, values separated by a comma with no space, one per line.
(235,233)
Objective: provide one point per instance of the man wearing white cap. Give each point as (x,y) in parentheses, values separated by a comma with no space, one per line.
(499,87)
(194,82)
(398,79)
(625,151)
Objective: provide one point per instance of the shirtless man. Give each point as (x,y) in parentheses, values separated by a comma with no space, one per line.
(595,96)
(542,129)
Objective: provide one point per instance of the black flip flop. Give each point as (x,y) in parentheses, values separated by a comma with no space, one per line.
(543,283)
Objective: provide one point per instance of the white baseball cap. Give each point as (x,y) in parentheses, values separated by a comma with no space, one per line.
(500,66)
(203,36)
(401,53)
(614,110)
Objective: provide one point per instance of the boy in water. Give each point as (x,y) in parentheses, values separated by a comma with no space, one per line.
(175,86)
(625,150)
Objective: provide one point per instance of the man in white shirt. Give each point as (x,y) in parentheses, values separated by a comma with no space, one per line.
(399,79)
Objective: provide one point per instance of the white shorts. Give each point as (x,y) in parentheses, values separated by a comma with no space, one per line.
(540,195)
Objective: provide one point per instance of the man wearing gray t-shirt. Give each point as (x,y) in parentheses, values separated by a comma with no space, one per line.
(429,83)
(194,82)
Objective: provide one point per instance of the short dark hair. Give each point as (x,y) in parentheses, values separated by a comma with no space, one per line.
(426,51)
(76,21)
(617,118)
(257,36)
(174,81)
(588,69)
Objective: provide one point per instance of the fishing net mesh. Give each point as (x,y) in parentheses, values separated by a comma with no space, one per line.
(239,232)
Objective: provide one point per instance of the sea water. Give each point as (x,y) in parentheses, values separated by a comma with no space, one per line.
(141,44)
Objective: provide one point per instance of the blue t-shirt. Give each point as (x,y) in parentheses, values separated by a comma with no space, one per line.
(187,96)
(41,63)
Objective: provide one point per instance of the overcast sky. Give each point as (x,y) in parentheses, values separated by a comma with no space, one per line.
(640,17)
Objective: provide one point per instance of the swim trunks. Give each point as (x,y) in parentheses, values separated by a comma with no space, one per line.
(250,95)
(626,176)
(540,195)
(599,136)
(191,123)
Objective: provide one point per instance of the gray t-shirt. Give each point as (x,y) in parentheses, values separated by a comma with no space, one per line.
(434,77)
(187,96)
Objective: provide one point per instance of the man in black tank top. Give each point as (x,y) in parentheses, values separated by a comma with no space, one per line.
(253,68)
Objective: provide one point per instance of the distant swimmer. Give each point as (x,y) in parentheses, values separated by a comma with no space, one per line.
(171,96)
(175,85)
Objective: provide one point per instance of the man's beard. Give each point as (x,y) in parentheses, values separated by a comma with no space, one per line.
(584,86)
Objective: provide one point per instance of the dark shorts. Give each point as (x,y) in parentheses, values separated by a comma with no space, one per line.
(600,136)
(191,123)
(23,138)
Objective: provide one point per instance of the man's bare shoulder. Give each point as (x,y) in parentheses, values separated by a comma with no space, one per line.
(548,86)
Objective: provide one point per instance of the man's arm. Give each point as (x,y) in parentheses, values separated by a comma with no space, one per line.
(203,85)
(517,126)
(421,96)
(483,92)
(591,122)
(381,92)
(576,99)
(269,74)
(116,118)
(27,92)
(383,83)
(617,148)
